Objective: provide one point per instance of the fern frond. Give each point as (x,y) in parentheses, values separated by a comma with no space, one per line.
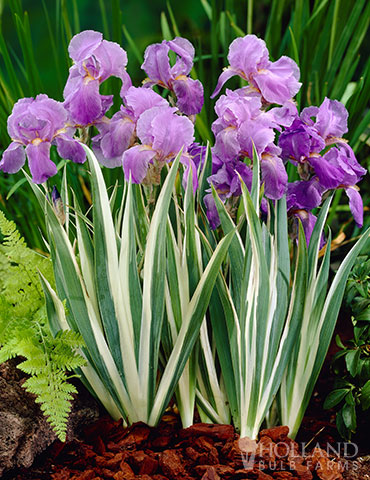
(24,329)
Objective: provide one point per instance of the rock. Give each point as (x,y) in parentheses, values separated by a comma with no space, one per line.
(24,431)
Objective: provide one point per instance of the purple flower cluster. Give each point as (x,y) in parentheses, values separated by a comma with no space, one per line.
(311,141)
(141,137)
(149,130)
(323,158)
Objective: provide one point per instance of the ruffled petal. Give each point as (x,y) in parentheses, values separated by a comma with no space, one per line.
(248,54)
(355,204)
(279,81)
(329,174)
(13,158)
(140,99)
(70,149)
(144,126)
(331,119)
(83,44)
(171,133)
(39,162)
(136,161)
(189,95)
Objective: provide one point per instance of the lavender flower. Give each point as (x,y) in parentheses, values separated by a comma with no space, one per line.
(277,82)
(95,60)
(157,66)
(240,126)
(303,144)
(119,133)
(163,134)
(37,124)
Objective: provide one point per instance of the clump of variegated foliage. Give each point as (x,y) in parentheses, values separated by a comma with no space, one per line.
(24,329)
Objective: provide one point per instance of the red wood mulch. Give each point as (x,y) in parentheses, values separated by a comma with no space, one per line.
(201,452)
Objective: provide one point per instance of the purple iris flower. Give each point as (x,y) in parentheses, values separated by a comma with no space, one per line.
(331,118)
(119,133)
(37,124)
(157,66)
(241,124)
(95,60)
(304,141)
(299,141)
(163,134)
(248,57)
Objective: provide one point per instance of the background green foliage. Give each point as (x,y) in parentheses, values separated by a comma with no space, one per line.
(351,365)
(328,39)
(24,330)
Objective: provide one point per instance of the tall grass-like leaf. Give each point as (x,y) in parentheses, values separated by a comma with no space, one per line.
(318,322)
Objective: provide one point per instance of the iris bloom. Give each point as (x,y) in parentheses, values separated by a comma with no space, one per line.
(303,143)
(248,57)
(95,60)
(119,133)
(37,124)
(157,66)
(163,134)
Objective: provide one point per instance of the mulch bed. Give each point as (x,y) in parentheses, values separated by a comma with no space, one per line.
(106,450)
(203,451)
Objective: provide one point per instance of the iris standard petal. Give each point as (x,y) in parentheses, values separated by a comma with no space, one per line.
(83,44)
(171,133)
(140,99)
(227,145)
(331,119)
(156,63)
(254,132)
(112,59)
(248,54)
(185,54)
(279,81)
(118,138)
